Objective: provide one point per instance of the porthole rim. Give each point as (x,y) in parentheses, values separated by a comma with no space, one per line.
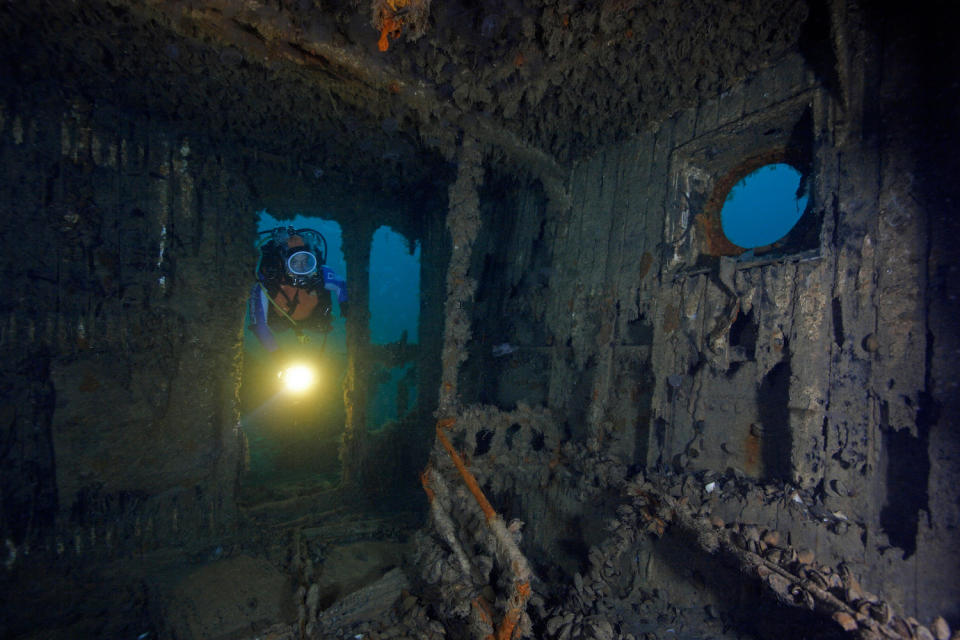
(715,241)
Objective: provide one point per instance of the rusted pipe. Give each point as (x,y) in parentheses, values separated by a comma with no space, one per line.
(517,603)
(468,478)
(485,613)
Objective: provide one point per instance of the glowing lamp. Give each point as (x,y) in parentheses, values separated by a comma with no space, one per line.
(298,378)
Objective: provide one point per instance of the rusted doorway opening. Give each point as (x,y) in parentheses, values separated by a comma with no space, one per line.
(293,439)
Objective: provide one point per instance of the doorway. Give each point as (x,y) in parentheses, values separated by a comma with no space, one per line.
(293,439)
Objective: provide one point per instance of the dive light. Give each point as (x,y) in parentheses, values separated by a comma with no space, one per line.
(298,378)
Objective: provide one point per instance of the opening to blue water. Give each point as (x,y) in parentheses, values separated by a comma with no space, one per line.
(394,287)
(394,326)
(764,206)
(293,442)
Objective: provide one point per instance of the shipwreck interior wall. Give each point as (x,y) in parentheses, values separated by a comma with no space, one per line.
(129,253)
(626,426)
(791,389)
(120,420)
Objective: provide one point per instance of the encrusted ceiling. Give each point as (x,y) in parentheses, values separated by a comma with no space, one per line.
(542,81)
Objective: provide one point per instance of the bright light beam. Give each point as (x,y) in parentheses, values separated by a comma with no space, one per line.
(298,378)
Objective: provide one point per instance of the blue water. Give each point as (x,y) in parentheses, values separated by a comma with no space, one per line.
(394,316)
(384,402)
(763,207)
(394,287)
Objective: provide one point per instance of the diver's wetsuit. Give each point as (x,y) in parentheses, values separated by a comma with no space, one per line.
(276,304)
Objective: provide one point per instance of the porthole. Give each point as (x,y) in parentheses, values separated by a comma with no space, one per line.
(763,207)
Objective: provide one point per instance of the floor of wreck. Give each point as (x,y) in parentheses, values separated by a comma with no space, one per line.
(346,572)
(332,565)
(345,568)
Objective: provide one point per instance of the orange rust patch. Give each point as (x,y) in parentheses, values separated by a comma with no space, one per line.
(394,88)
(425,481)
(391,27)
(751,447)
(646,261)
(518,60)
(658,526)
(778,341)
(711,229)
(671,319)
(512,617)
(483,609)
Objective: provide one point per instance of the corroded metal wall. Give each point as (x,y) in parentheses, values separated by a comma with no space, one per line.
(831,394)
(816,366)
(126,258)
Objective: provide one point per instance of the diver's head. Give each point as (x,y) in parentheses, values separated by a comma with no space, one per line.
(300,260)
(301,252)
(301,263)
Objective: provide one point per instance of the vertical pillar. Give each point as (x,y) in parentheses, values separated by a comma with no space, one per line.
(433,267)
(357,239)
(463,221)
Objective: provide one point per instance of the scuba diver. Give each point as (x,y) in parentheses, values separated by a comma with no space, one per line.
(284,411)
(293,286)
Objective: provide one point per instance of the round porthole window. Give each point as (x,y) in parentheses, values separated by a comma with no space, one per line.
(764,206)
